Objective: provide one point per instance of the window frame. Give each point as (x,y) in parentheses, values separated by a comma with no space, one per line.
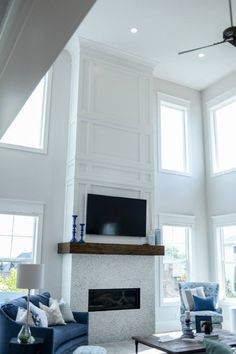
(44,134)
(181,104)
(218,222)
(26,208)
(212,105)
(175,220)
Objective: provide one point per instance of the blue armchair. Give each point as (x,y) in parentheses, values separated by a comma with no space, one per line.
(209,289)
(58,339)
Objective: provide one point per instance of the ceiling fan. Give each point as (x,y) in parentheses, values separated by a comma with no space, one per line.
(229,35)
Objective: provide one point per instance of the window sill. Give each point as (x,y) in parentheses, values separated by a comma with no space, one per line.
(176,173)
(226,172)
(23,148)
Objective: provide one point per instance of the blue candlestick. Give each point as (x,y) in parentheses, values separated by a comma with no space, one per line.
(81,233)
(74,217)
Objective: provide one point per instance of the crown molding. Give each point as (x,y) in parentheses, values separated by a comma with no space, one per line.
(104,51)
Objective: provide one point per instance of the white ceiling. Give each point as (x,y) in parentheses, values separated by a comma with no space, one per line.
(165,28)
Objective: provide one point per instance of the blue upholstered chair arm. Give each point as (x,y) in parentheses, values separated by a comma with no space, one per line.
(81,317)
(219,310)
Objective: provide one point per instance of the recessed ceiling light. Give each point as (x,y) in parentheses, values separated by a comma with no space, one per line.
(201,55)
(134,30)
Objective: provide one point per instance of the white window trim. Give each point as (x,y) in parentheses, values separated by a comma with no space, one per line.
(45,126)
(183,104)
(221,221)
(22,207)
(212,105)
(175,220)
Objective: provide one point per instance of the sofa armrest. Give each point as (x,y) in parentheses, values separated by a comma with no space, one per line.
(81,317)
(47,334)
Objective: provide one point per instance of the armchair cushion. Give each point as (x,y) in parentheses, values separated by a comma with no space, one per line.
(203,304)
(187,295)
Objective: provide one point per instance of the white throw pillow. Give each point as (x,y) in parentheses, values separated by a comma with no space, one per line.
(21,317)
(187,295)
(66,312)
(53,313)
(65,309)
(42,317)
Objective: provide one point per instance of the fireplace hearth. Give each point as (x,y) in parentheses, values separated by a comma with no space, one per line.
(113,299)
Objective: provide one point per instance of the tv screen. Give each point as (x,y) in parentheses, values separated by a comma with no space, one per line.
(115,216)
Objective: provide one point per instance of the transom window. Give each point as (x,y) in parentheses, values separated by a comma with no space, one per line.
(28,129)
(223,124)
(173,135)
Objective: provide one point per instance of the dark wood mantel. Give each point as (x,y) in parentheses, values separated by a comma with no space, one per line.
(109,248)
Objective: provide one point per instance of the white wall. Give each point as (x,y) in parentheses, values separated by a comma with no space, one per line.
(176,194)
(220,189)
(41,177)
(221,192)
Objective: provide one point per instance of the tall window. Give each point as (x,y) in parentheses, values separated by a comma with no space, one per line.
(227,235)
(175,266)
(223,123)
(174,154)
(19,243)
(28,128)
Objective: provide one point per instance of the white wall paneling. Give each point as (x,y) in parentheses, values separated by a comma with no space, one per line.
(116,154)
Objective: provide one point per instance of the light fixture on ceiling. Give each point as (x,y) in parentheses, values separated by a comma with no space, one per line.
(201,55)
(133,30)
(229,34)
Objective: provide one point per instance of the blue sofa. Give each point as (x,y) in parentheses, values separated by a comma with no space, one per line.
(60,339)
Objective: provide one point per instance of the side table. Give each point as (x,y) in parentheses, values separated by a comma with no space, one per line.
(20,348)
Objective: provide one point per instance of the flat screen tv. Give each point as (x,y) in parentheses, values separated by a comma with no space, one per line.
(115,216)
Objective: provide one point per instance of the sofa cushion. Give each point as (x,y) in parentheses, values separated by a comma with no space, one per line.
(43,298)
(11,307)
(53,313)
(70,331)
(21,317)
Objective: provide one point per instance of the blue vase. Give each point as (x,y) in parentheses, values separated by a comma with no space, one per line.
(81,233)
(74,217)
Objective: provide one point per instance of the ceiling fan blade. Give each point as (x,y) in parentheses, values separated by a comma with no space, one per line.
(205,46)
(231,13)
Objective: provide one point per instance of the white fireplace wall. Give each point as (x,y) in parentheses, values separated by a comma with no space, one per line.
(115,271)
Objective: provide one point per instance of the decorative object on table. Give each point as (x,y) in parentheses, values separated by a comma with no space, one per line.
(157,237)
(203,324)
(207,326)
(81,233)
(74,217)
(29,276)
(151,238)
(187,330)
